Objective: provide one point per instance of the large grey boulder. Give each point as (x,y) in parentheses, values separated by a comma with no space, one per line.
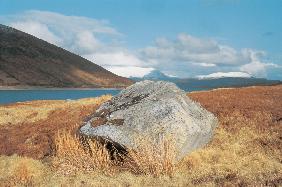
(152,110)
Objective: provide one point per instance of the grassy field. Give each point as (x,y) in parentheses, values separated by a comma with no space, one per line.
(39,146)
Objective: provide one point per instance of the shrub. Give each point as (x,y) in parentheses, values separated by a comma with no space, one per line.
(152,159)
(21,171)
(72,155)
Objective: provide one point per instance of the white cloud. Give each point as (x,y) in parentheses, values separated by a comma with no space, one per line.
(193,55)
(37,29)
(195,45)
(224,74)
(115,58)
(78,34)
(67,24)
(256,67)
(189,49)
(205,64)
(87,42)
(129,71)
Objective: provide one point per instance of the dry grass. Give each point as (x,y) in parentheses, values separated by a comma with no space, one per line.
(36,139)
(33,111)
(22,171)
(230,159)
(233,159)
(245,151)
(152,159)
(73,155)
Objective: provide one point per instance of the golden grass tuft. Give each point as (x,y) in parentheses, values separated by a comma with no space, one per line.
(72,155)
(76,154)
(152,159)
(236,158)
(21,171)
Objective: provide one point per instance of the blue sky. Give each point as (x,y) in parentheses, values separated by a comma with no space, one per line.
(179,37)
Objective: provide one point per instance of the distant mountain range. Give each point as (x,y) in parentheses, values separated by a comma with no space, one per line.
(225,75)
(219,80)
(28,61)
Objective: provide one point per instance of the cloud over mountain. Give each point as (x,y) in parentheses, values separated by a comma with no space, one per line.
(200,55)
(189,49)
(101,43)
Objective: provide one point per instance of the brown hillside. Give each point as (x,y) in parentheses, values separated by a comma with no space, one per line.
(28,61)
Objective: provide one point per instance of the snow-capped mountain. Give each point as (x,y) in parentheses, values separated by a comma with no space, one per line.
(211,81)
(156,75)
(224,75)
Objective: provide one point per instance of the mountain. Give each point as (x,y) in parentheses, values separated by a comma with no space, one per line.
(28,61)
(192,84)
(216,80)
(223,75)
(156,75)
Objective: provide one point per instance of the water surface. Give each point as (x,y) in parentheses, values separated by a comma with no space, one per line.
(12,96)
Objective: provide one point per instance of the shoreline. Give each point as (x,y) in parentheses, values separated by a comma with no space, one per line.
(228,88)
(3,88)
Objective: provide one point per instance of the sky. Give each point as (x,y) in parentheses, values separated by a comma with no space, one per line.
(183,38)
